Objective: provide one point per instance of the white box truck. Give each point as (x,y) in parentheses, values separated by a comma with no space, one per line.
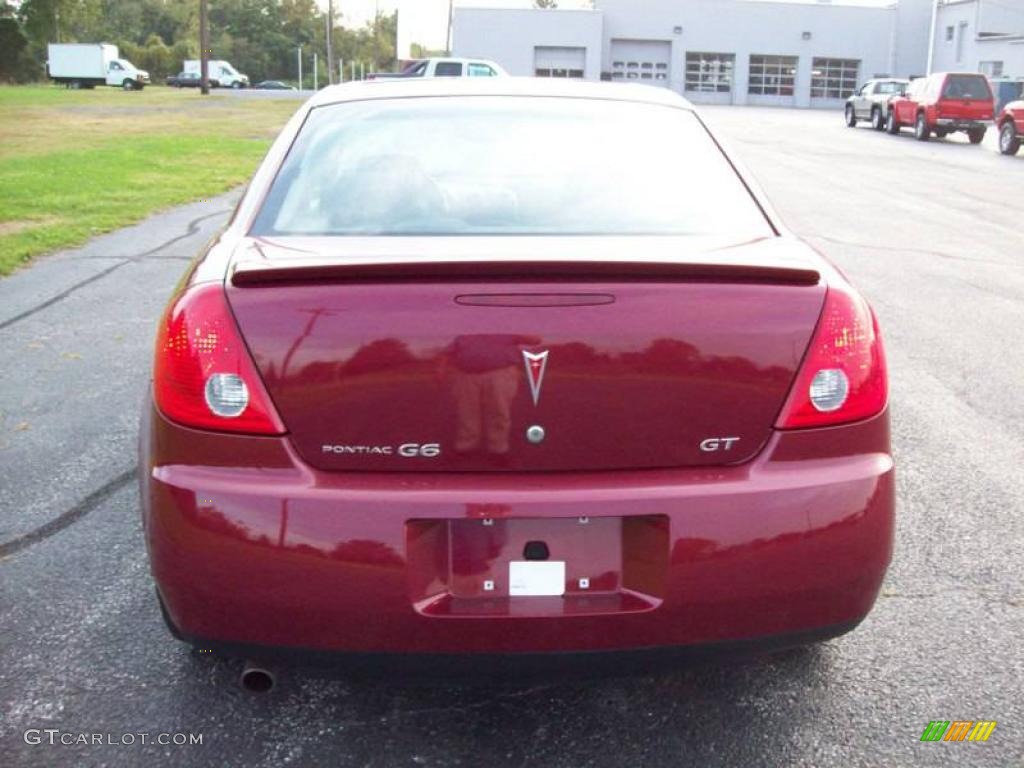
(221,73)
(86,65)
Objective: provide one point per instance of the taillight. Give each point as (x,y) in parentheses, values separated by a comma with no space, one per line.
(843,376)
(203,376)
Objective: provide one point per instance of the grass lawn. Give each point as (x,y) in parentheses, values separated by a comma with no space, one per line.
(74,164)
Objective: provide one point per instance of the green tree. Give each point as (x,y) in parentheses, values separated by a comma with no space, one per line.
(12,46)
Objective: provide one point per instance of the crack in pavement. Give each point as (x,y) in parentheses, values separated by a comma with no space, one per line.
(193,228)
(922,251)
(69,517)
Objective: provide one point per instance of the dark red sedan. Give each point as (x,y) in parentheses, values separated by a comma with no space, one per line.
(512,366)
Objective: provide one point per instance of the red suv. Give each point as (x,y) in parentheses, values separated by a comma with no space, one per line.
(1011,127)
(942,103)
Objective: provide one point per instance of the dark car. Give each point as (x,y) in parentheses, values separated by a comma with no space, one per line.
(185,80)
(445,385)
(942,103)
(273,85)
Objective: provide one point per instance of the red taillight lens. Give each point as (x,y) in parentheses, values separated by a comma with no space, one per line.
(843,376)
(203,376)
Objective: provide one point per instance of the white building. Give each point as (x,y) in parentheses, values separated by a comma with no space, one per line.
(717,51)
(980,36)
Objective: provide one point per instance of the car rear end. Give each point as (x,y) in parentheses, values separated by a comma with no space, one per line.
(966,103)
(443,389)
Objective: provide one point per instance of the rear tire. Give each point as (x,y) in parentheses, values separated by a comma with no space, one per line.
(1009,141)
(976,135)
(877,121)
(921,131)
(851,117)
(891,126)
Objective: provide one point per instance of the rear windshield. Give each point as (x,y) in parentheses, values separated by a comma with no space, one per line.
(891,87)
(506,165)
(966,87)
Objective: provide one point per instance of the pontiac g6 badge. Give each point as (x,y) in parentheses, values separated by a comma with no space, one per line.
(535,366)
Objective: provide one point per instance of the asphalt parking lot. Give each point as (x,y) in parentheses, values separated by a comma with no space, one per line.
(932,233)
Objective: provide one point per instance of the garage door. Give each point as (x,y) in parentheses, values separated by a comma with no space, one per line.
(550,61)
(645,61)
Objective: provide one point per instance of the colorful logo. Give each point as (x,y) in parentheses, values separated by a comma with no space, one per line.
(958,730)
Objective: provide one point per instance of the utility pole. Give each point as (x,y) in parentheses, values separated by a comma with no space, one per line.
(316,73)
(448,45)
(330,45)
(204,49)
(300,67)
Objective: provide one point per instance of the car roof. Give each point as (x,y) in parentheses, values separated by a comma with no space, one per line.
(404,88)
(454,58)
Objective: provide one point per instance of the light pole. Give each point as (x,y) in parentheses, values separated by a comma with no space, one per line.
(931,40)
(299,57)
(330,45)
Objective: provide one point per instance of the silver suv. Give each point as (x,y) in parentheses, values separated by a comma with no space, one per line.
(869,102)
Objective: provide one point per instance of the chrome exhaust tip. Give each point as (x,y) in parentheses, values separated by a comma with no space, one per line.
(257,679)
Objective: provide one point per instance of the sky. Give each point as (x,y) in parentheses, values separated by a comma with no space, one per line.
(426,21)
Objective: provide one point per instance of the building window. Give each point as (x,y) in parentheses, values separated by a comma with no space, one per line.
(834,78)
(991,68)
(576,74)
(950,31)
(709,72)
(961,34)
(559,62)
(772,75)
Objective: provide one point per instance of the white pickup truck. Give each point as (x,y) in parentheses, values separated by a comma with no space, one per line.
(444,67)
(86,65)
(220,72)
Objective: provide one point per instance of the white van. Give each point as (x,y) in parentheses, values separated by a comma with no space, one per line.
(221,73)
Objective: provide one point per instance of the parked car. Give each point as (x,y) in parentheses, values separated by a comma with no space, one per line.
(446,385)
(185,80)
(273,85)
(86,65)
(942,103)
(220,72)
(871,100)
(444,67)
(1011,127)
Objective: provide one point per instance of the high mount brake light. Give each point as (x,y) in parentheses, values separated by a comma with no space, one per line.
(843,377)
(203,376)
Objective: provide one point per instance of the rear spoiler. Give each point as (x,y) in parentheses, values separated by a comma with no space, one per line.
(276,272)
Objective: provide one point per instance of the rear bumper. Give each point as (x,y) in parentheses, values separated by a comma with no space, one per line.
(957,124)
(250,548)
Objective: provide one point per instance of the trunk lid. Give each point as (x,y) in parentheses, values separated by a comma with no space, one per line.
(402,361)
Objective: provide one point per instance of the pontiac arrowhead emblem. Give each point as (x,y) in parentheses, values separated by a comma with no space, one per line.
(535,365)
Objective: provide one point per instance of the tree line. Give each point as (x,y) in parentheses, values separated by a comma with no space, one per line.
(259,37)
